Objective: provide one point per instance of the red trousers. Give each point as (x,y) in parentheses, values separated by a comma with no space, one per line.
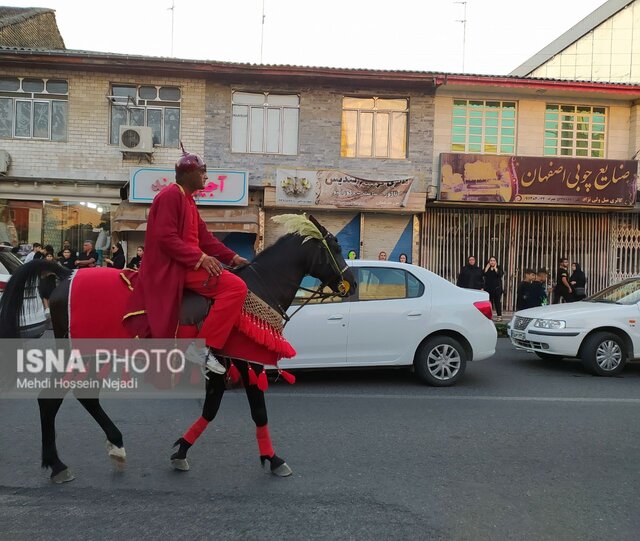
(229,293)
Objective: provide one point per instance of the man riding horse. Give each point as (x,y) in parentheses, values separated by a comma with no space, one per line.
(180,253)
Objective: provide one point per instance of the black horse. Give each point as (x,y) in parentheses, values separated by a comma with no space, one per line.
(274,275)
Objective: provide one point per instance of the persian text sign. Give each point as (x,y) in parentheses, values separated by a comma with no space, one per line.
(528,179)
(297,187)
(223,187)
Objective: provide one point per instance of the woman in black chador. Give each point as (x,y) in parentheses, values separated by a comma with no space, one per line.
(578,282)
(470,276)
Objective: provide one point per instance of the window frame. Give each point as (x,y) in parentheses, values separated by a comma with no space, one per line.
(265,123)
(375,112)
(560,130)
(407,273)
(34,98)
(483,135)
(145,104)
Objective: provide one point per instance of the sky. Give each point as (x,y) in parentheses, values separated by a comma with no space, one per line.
(423,35)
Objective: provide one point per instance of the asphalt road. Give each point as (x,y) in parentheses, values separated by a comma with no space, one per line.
(520,449)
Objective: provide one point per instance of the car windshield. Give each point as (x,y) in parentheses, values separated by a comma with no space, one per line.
(627,292)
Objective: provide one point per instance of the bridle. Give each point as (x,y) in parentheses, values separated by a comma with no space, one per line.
(317,293)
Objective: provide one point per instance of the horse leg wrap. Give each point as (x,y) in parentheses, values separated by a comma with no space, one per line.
(264,441)
(197,428)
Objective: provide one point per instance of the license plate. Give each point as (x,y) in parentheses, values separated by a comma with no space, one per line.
(517,335)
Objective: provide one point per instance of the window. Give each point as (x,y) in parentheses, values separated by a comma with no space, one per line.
(380,283)
(265,123)
(33,108)
(374,128)
(574,130)
(157,107)
(309,282)
(487,127)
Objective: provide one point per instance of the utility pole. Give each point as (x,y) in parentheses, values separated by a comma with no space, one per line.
(262,33)
(464,30)
(172,9)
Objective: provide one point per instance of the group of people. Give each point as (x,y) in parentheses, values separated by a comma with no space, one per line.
(72,260)
(488,279)
(532,291)
(382,256)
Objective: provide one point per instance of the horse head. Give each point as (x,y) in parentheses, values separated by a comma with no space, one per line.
(323,255)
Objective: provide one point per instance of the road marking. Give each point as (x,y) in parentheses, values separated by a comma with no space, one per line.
(350,396)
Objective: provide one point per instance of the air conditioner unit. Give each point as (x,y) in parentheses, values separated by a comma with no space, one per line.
(136,139)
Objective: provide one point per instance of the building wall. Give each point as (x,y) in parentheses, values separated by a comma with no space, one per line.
(621,121)
(319,135)
(87,154)
(610,52)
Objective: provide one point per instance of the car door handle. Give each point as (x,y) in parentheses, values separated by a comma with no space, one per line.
(335,317)
(414,314)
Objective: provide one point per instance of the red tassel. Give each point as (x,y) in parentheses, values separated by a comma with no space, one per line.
(289,378)
(263,383)
(234,374)
(253,380)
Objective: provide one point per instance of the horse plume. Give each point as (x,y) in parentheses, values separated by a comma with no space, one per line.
(299,224)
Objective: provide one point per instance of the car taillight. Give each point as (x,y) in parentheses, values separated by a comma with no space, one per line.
(485,308)
(2,286)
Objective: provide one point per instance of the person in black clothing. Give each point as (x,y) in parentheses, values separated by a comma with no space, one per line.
(493,285)
(470,276)
(135,261)
(68,260)
(524,298)
(538,292)
(66,245)
(117,260)
(88,257)
(577,281)
(562,290)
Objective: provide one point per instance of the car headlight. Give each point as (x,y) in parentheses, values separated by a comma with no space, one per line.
(550,324)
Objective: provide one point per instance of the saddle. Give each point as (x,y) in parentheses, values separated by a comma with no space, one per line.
(194,308)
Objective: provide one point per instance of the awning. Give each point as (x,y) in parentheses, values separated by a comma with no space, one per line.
(133,217)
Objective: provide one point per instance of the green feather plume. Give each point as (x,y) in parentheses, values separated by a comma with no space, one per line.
(298,224)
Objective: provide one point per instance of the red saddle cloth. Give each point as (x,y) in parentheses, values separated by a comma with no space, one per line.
(97,304)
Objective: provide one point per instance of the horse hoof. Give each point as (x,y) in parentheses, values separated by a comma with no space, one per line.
(283,470)
(180,464)
(63,477)
(117,454)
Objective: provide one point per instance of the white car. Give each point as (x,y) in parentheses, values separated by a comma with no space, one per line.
(602,330)
(400,315)
(33,321)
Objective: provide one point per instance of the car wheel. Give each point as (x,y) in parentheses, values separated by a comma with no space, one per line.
(441,361)
(549,356)
(604,354)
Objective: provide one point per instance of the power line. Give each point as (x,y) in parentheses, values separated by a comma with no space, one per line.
(262,33)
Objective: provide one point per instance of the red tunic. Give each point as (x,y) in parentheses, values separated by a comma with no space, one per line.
(169,251)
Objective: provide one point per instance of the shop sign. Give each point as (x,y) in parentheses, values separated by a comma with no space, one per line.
(330,188)
(527,179)
(223,187)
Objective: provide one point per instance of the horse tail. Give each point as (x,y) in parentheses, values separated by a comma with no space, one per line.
(24,284)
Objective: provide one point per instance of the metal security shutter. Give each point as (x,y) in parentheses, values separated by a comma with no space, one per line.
(521,239)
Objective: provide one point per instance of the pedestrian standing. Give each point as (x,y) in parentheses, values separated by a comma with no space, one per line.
(524,298)
(578,282)
(65,244)
(382,256)
(470,276)
(562,291)
(47,284)
(35,253)
(402,258)
(493,285)
(538,291)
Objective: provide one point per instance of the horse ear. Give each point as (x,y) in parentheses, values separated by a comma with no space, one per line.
(315,222)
